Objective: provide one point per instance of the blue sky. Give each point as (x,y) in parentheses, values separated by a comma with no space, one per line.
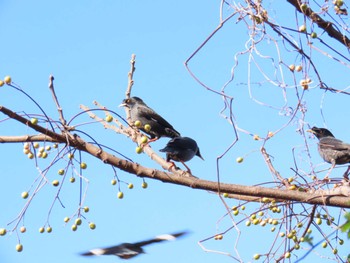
(87,47)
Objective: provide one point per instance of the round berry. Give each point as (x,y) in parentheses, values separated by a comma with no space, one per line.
(147,127)
(3,231)
(74,227)
(239,159)
(78,221)
(25,195)
(19,247)
(55,183)
(109,118)
(138,150)
(34,121)
(83,165)
(92,226)
(120,195)
(138,124)
(7,80)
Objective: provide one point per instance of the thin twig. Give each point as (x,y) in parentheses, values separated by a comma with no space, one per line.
(60,111)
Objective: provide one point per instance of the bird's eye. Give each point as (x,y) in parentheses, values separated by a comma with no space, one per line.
(127,101)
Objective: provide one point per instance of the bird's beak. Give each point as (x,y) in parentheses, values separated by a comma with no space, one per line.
(310,131)
(123,105)
(199,155)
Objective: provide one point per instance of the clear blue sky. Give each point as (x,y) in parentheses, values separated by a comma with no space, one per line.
(87,46)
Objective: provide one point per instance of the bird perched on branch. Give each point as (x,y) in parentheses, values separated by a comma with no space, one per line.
(129,250)
(147,120)
(181,149)
(332,150)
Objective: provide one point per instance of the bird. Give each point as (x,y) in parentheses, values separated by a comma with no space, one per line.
(158,126)
(181,149)
(130,250)
(332,150)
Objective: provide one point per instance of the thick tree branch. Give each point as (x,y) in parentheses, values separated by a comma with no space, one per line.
(325,25)
(239,191)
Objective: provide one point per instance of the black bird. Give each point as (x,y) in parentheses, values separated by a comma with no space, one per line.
(332,150)
(139,111)
(181,149)
(129,250)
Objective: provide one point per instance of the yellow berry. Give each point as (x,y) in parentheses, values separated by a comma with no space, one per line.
(298,68)
(23,229)
(55,183)
(78,221)
(302,28)
(218,237)
(74,227)
(86,209)
(114,182)
(25,195)
(61,172)
(144,139)
(144,185)
(92,226)
(7,80)
(109,118)
(48,148)
(256,256)
(2,83)
(41,230)
(44,155)
(225,195)
(147,127)
(313,35)
(287,255)
(256,137)
(138,150)
(138,124)
(324,244)
(49,229)
(83,165)
(239,159)
(248,223)
(36,145)
(34,121)
(120,195)
(66,219)
(3,231)
(19,247)
(72,179)
(70,155)
(130,186)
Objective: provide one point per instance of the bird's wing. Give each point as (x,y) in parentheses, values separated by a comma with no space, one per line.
(161,238)
(150,114)
(334,144)
(123,250)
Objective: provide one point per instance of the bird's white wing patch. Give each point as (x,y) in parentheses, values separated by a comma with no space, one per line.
(98,251)
(166,237)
